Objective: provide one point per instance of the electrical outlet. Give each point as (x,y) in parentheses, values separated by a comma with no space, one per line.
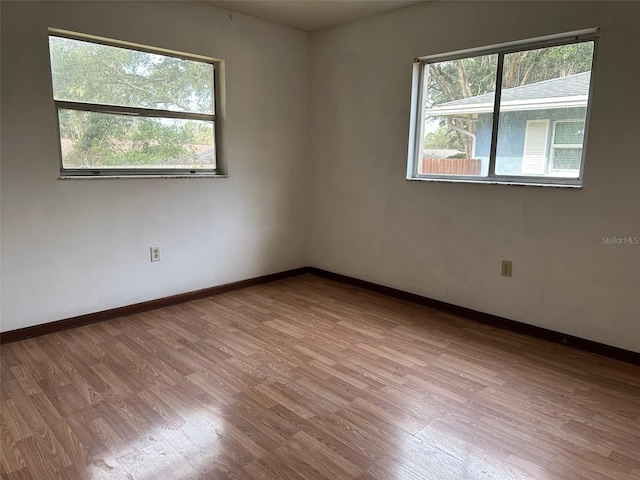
(155,254)
(506,268)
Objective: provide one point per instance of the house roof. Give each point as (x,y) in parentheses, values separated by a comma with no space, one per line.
(569,91)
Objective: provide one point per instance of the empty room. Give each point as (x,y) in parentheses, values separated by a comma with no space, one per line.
(320,239)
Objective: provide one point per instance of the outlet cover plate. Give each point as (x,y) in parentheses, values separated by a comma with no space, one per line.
(507,267)
(155,254)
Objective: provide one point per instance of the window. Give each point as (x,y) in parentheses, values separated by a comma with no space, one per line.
(566,147)
(513,113)
(129,111)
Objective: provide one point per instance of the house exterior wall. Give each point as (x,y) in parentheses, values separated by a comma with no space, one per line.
(511,136)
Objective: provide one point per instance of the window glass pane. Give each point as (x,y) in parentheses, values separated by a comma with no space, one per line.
(94,73)
(566,158)
(542,88)
(568,133)
(458,100)
(95,140)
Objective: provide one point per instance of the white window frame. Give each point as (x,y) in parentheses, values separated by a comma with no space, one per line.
(417,118)
(551,168)
(216,118)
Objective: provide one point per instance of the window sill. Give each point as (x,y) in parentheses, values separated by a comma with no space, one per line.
(497,182)
(129,177)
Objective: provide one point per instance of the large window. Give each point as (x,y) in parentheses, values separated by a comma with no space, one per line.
(129,111)
(512,113)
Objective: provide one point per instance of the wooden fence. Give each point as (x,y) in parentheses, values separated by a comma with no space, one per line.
(450,166)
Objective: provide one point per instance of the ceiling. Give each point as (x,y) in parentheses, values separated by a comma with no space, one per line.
(312,15)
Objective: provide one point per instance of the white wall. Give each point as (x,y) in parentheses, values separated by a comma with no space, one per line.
(75,247)
(446,240)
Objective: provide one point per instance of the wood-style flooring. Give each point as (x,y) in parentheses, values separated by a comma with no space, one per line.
(305,378)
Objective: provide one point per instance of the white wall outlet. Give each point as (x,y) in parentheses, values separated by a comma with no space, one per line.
(507,267)
(155,254)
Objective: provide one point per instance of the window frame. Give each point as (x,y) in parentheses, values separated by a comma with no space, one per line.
(417,117)
(144,172)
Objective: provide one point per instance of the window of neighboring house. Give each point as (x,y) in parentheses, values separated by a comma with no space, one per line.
(566,146)
(513,113)
(126,110)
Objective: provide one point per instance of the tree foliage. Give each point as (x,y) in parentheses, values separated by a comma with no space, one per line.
(94,73)
(443,137)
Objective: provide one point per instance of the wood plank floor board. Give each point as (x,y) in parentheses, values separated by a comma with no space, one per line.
(306,378)
(11,459)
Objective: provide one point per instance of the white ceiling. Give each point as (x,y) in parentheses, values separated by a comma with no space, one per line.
(312,15)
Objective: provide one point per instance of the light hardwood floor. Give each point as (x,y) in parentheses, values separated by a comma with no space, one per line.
(309,379)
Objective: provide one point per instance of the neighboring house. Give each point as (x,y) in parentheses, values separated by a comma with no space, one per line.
(541,126)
